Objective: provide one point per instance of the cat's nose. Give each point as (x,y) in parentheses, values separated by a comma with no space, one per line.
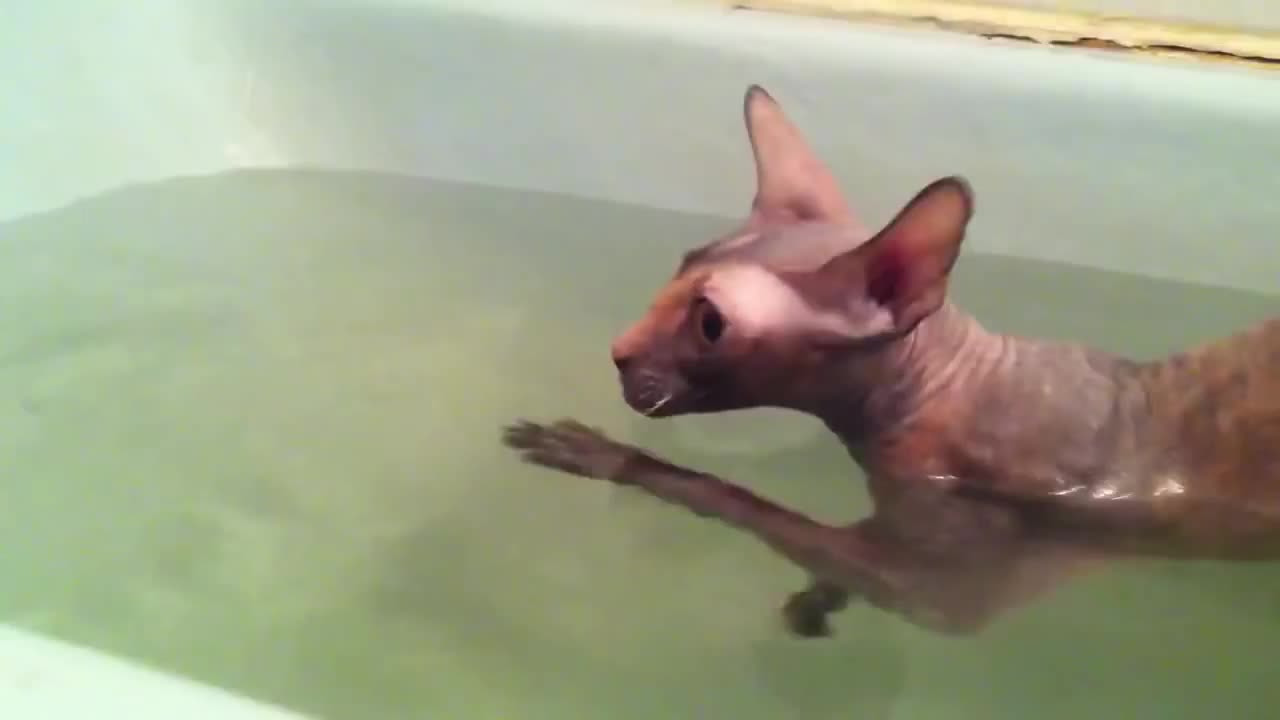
(626,346)
(621,357)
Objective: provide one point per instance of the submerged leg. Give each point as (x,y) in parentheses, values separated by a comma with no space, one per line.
(943,565)
(842,559)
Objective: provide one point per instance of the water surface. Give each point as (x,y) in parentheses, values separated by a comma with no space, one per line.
(249,433)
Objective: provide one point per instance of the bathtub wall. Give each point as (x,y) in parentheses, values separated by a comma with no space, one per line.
(1089,157)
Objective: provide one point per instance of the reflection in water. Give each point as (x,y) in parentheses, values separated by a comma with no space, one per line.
(250,429)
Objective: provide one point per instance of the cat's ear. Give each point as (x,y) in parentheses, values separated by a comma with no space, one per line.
(903,271)
(792,184)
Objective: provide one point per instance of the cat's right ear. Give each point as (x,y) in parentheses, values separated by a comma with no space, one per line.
(902,273)
(792,184)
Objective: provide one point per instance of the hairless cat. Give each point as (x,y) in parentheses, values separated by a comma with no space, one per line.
(999,466)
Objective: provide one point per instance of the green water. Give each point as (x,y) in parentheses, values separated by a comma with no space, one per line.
(248,433)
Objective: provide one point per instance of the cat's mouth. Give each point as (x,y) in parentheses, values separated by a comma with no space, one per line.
(652,395)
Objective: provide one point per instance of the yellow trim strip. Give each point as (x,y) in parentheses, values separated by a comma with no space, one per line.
(1047,26)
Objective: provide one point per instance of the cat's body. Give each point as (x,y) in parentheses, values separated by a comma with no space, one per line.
(999,466)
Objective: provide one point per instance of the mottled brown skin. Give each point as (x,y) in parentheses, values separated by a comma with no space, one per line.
(999,466)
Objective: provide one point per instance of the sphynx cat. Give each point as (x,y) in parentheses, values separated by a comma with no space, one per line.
(999,466)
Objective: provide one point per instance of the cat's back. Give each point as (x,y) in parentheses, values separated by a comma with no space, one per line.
(1216,409)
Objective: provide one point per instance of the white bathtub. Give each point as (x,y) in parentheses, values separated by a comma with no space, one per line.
(1178,159)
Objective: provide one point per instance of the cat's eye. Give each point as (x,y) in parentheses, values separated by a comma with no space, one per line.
(711,323)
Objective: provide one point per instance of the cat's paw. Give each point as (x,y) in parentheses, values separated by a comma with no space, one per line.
(806,618)
(569,446)
(807,612)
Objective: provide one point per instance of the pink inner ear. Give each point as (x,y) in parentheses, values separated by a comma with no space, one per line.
(885,277)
